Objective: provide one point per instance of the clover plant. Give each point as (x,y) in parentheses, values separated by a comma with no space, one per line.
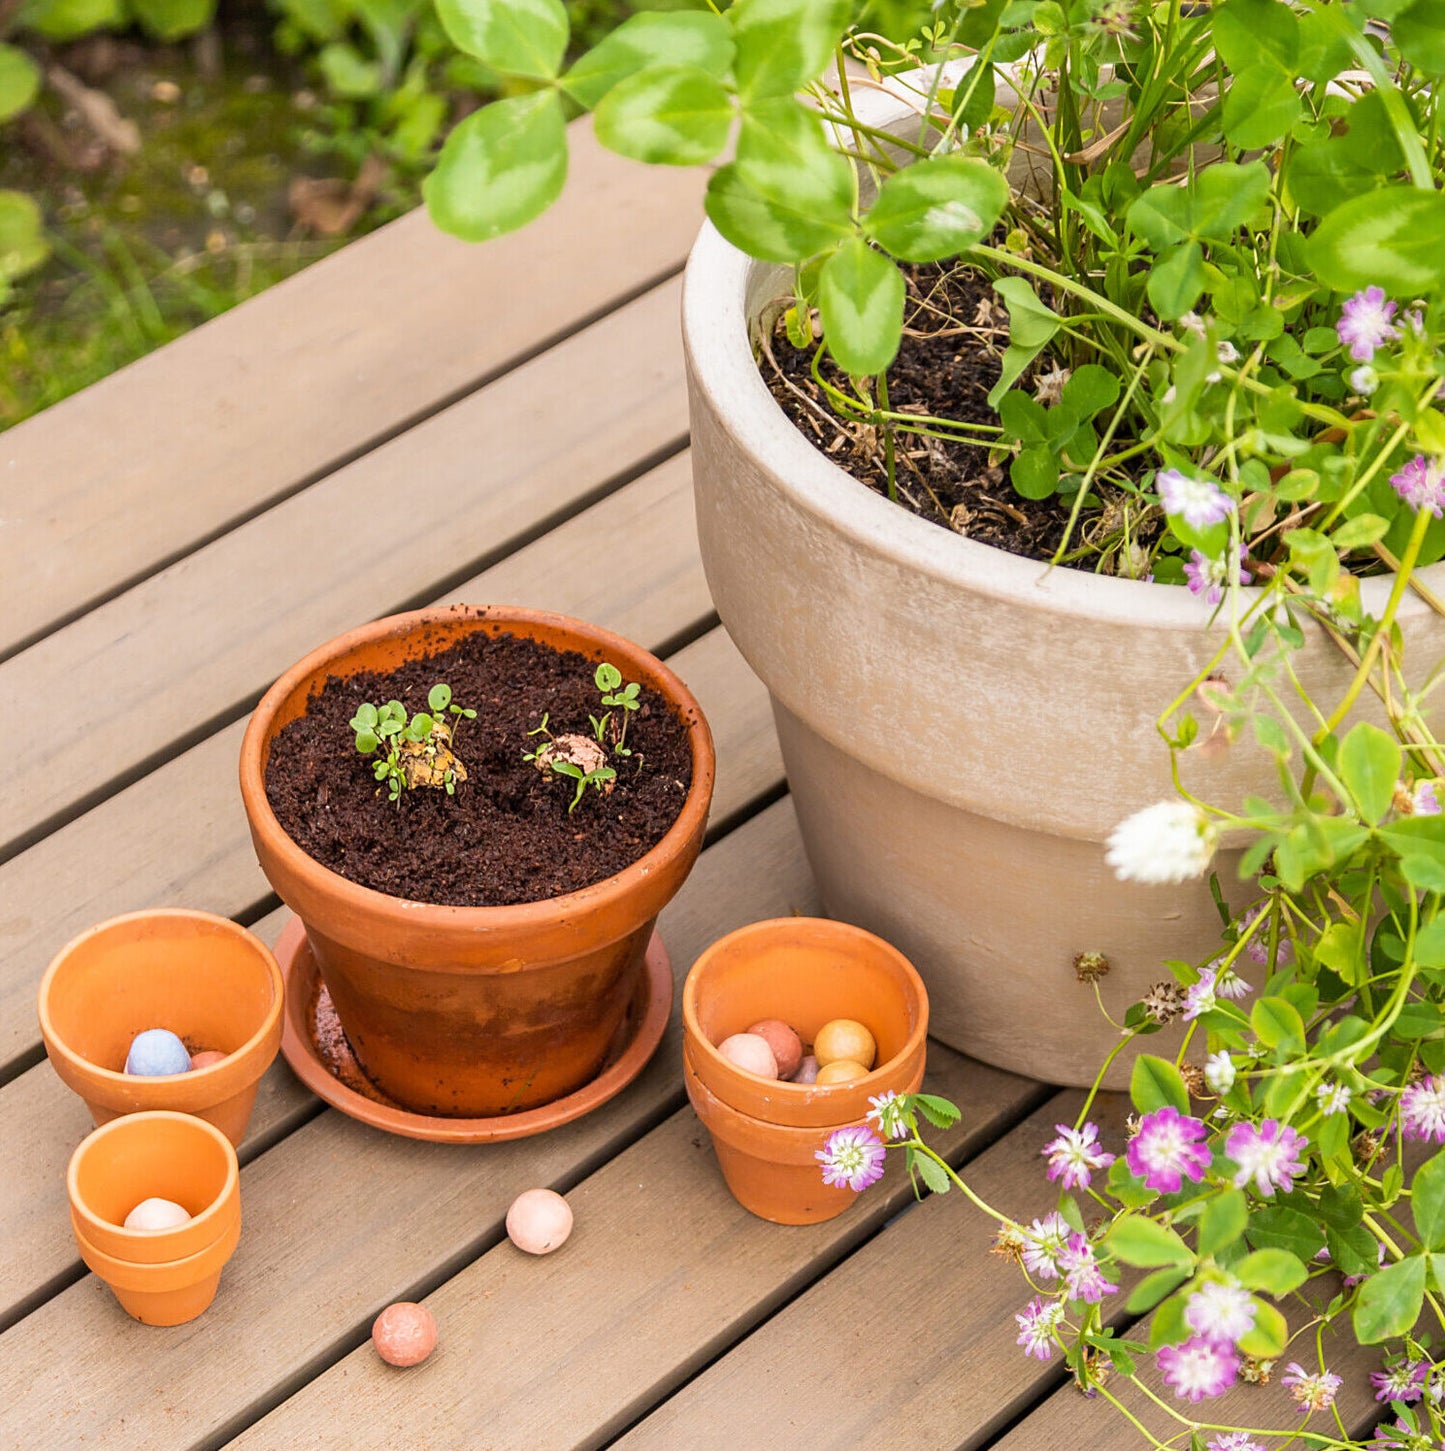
(417,748)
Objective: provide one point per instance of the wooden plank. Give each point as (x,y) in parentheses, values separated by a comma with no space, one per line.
(178,836)
(472,482)
(101,488)
(662,1261)
(41,1122)
(910,1343)
(340,1220)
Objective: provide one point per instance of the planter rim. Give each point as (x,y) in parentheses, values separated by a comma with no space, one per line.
(434,916)
(229,1067)
(217,1214)
(719,286)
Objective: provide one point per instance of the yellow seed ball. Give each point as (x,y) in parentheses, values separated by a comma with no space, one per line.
(840,1070)
(845,1038)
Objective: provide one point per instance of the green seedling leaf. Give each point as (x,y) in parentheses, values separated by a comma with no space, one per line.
(1139,1241)
(607,677)
(501,167)
(653,38)
(860,297)
(1156,1083)
(1390,1301)
(19,81)
(365,717)
(367,741)
(675,115)
(516,37)
(22,236)
(1386,238)
(937,208)
(439,697)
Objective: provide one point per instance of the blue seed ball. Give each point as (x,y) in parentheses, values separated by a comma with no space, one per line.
(157,1051)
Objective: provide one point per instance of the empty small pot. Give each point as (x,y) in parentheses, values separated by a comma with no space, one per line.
(212,983)
(805,971)
(159,1276)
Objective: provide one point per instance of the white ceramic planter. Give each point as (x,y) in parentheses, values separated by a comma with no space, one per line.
(961,728)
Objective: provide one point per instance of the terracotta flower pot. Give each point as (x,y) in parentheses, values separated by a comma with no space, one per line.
(962,728)
(209,981)
(473,1011)
(160,1276)
(805,971)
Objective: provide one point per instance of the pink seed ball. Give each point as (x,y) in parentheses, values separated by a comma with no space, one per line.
(786,1045)
(206,1058)
(539,1221)
(404,1334)
(750,1053)
(157,1214)
(807,1070)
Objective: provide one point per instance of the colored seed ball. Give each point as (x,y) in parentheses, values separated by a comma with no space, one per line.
(404,1334)
(205,1058)
(845,1038)
(155,1052)
(157,1214)
(786,1045)
(751,1053)
(539,1221)
(807,1070)
(840,1070)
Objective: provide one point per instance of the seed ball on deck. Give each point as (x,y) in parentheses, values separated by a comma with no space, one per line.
(750,1053)
(157,1214)
(207,1057)
(404,1333)
(845,1038)
(156,1052)
(539,1221)
(786,1045)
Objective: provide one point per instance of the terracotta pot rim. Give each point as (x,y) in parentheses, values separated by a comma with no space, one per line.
(721,292)
(218,1212)
(233,1065)
(521,915)
(875,1081)
(155,1268)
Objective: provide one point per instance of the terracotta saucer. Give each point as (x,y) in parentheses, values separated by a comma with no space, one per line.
(307,999)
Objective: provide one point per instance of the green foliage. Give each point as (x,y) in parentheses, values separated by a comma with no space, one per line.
(389,728)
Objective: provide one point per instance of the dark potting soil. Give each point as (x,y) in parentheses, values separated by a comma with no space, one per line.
(955,332)
(506,836)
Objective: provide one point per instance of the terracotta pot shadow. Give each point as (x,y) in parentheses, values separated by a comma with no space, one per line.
(209,981)
(471,1012)
(159,1276)
(805,971)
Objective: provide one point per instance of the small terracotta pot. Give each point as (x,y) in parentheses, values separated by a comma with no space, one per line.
(210,982)
(160,1276)
(469,1012)
(805,971)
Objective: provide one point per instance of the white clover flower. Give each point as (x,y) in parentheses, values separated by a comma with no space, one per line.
(1364,380)
(1170,841)
(1219,1072)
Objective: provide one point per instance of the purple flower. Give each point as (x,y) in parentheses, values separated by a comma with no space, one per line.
(1167,1150)
(1422,1109)
(1421,485)
(1201,501)
(1425,799)
(1083,1279)
(852,1156)
(1075,1154)
(1267,1154)
(1044,1243)
(1037,1323)
(1200,997)
(1220,1310)
(1234,1441)
(1400,1437)
(1313,1392)
(1403,1381)
(1199,1368)
(1208,577)
(1365,323)
(1258,945)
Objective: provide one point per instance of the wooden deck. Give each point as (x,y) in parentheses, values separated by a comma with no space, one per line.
(174,538)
